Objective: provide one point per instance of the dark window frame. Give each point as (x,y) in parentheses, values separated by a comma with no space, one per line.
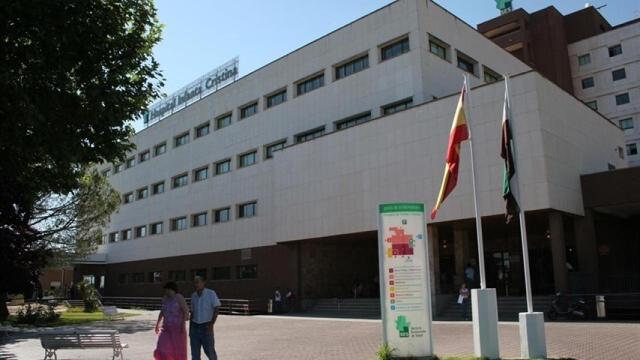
(619,74)
(395,48)
(354,65)
(197,171)
(197,129)
(276,98)
(396,106)
(228,115)
(353,120)
(310,83)
(241,210)
(244,155)
(243,110)
(268,149)
(177,142)
(220,162)
(588,82)
(179,176)
(217,212)
(310,134)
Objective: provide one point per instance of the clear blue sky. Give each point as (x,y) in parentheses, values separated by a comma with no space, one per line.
(199,35)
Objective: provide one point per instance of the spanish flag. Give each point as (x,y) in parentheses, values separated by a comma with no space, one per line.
(459,133)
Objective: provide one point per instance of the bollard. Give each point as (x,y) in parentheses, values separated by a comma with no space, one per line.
(601,310)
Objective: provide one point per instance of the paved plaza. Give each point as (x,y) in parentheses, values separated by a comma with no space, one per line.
(271,337)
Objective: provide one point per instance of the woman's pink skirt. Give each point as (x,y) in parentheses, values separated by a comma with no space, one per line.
(172,343)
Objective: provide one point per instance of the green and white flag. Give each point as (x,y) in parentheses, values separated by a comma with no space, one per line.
(506,153)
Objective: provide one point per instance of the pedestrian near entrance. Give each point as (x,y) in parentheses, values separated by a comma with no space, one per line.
(172,339)
(277,300)
(463,300)
(204,312)
(290,299)
(470,275)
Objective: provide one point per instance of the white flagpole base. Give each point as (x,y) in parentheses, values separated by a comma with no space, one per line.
(484,308)
(533,344)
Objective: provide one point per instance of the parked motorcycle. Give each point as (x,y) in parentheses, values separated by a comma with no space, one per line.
(562,306)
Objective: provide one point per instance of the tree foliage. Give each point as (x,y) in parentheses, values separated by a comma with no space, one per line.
(73,73)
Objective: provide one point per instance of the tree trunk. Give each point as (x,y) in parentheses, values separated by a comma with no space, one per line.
(4,311)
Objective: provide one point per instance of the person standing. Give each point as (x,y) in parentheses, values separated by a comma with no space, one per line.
(277,299)
(172,342)
(470,275)
(204,312)
(290,299)
(463,300)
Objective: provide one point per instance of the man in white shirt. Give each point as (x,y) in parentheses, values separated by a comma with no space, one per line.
(204,312)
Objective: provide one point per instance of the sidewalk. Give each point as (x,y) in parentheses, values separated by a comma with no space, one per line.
(282,337)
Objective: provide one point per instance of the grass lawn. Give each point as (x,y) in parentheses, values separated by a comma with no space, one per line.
(72,316)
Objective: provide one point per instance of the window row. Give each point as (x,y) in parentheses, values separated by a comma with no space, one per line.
(585,59)
(463,61)
(242,272)
(621,99)
(616,75)
(303,86)
(219,215)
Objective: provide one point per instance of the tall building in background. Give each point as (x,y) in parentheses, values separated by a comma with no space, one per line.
(584,55)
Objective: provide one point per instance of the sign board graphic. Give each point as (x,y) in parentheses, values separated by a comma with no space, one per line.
(404,278)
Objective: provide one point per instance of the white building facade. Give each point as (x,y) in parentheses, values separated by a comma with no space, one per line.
(606,74)
(274,180)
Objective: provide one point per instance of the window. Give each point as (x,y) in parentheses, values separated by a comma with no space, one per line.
(117,168)
(156,228)
(247,210)
(199,219)
(178,224)
(353,120)
(466,63)
(160,149)
(201,174)
(247,159)
(615,50)
(141,231)
(202,130)
(181,139)
(270,149)
(592,104)
(587,83)
(632,149)
(439,48)
(310,135)
(221,215)
(248,110)
(180,180)
(584,59)
(310,84)
(126,234)
(626,124)
(127,198)
(144,156)
(397,106)
(114,237)
(619,74)
(247,272)
(221,273)
(223,167)
(277,98)
(490,76)
(154,277)
(157,188)
(392,50)
(199,272)
(131,162)
(137,277)
(622,99)
(352,67)
(223,121)
(142,193)
(106,172)
(177,275)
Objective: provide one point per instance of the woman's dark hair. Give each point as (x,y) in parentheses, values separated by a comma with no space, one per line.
(172,286)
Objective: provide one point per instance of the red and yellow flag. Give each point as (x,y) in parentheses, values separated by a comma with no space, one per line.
(459,133)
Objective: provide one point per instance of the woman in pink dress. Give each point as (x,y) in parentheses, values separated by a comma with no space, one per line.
(172,342)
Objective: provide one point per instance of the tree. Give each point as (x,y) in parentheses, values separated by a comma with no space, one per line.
(73,74)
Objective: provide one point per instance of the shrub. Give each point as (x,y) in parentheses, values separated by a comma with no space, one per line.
(90,296)
(36,315)
(385,352)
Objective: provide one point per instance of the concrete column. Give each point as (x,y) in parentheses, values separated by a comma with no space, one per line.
(558,252)
(459,241)
(587,248)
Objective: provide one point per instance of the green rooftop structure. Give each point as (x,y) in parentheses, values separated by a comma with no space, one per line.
(504,6)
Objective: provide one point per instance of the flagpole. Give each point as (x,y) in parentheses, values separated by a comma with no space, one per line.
(483,282)
(521,215)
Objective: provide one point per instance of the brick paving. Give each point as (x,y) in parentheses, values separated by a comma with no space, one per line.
(263,337)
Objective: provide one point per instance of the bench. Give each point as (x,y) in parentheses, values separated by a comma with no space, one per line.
(77,339)
(111,313)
